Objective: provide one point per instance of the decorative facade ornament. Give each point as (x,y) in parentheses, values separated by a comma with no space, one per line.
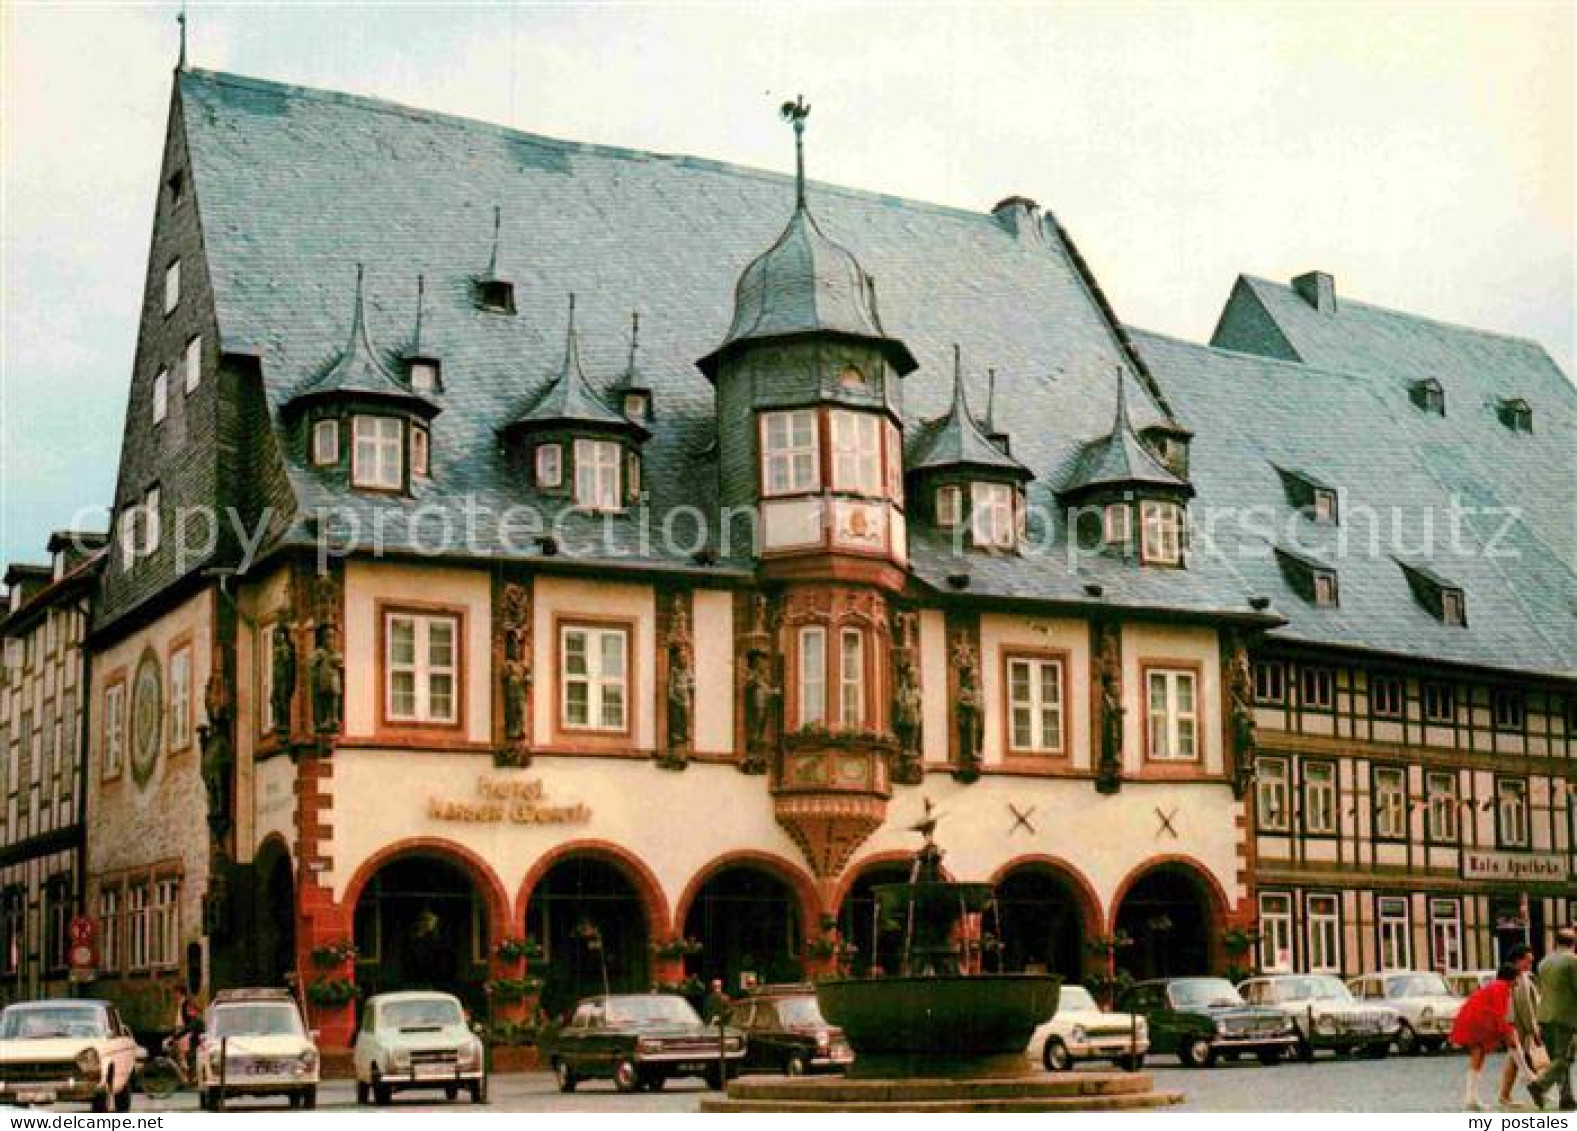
(284,673)
(217,753)
(1240,710)
(763,701)
(969,713)
(1109,687)
(681,688)
(908,725)
(515,675)
(326,670)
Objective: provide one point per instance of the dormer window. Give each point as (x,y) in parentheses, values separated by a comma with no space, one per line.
(638,404)
(377,452)
(1170,447)
(496,296)
(550,466)
(1324,510)
(1453,609)
(421,452)
(424,375)
(1440,596)
(1161,532)
(1325,591)
(856,452)
(949,506)
(1315,581)
(597,475)
(1516,414)
(993,517)
(632,476)
(325,442)
(1314,497)
(1429,395)
(790,454)
(1117,524)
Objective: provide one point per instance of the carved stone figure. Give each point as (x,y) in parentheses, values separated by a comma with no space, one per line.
(762,697)
(969,708)
(1240,712)
(284,661)
(515,676)
(1109,683)
(218,703)
(681,685)
(217,762)
(907,724)
(326,671)
(517,683)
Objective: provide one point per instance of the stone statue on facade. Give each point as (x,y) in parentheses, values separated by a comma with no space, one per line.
(217,754)
(762,697)
(515,676)
(1240,712)
(907,725)
(1109,685)
(969,708)
(284,674)
(326,671)
(681,690)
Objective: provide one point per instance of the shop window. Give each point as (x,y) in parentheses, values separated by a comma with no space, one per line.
(181,698)
(1319,689)
(993,523)
(1161,532)
(856,452)
(1394,927)
(325,442)
(1319,798)
(812,676)
(851,679)
(1511,813)
(1275,932)
(1390,803)
(1386,696)
(1173,715)
(550,466)
(789,456)
(594,678)
(1325,933)
(377,452)
(1443,807)
(1272,794)
(1439,702)
(597,475)
(1270,682)
(1445,934)
(1034,705)
(421,666)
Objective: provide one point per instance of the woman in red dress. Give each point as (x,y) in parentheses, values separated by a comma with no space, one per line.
(1484,1025)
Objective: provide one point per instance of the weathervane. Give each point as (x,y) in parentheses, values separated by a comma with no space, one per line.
(796,112)
(180,18)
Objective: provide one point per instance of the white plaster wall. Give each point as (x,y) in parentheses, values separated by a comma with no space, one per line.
(274,809)
(933,685)
(714,671)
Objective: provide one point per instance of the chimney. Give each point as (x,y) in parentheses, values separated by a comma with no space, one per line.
(1318,290)
(1021,216)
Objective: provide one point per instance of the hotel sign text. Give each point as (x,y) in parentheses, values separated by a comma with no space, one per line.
(1538,867)
(499,800)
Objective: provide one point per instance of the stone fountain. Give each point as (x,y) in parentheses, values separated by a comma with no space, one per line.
(938,1034)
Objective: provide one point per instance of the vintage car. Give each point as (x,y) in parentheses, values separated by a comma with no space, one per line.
(1426,1003)
(76,1050)
(255,1044)
(1465,982)
(1326,1013)
(786,1033)
(639,1041)
(1082,1030)
(1203,1019)
(416,1039)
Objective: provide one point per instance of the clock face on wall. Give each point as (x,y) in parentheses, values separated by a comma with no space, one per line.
(147,717)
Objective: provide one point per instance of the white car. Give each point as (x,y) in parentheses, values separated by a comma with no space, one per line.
(1326,1014)
(255,1044)
(1464,983)
(68,1049)
(417,1039)
(1082,1030)
(1426,1003)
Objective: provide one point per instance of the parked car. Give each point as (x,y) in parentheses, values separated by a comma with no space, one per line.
(1465,982)
(638,1041)
(786,1033)
(1326,1013)
(254,1043)
(74,1050)
(1426,1003)
(1202,1019)
(416,1039)
(1082,1030)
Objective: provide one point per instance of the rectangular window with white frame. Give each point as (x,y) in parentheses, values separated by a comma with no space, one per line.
(172,287)
(1395,930)
(1116,524)
(377,452)
(949,505)
(1035,705)
(993,522)
(1161,532)
(1319,798)
(181,698)
(812,676)
(1324,913)
(137,944)
(594,678)
(1319,689)
(152,524)
(161,395)
(1439,702)
(1390,803)
(421,452)
(851,679)
(1270,682)
(856,452)
(109,930)
(790,456)
(550,466)
(1511,812)
(421,668)
(1385,696)
(164,923)
(597,475)
(1173,710)
(1444,807)
(192,363)
(894,462)
(1275,932)
(1272,794)
(325,442)
(1445,934)
(114,741)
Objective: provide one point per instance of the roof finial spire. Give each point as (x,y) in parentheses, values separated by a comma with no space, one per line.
(492,263)
(421,293)
(960,394)
(180,18)
(635,337)
(1121,423)
(357,322)
(991,399)
(796,112)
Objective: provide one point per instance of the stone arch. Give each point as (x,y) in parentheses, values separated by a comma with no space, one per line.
(752,912)
(641,878)
(1169,881)
(1051,936)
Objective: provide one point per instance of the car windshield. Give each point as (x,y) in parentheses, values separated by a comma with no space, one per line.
(1074,998)
(1417,985)
(41,1022)
(800,1013)
(279,1020)
(656,1009)
(420,1013)
(1314,988)
(1195,992)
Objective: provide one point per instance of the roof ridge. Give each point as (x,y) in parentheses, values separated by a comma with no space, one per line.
(600,149)
(1300,367)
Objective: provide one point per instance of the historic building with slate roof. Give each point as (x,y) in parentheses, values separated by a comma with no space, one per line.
(611,550)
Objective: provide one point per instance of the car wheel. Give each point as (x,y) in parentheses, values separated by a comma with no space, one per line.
(714,1079)
(795,1065)
(1055,1056)
(363,1093)
(1377,1052)
(205,1100)
(381,1092)
(309,1098)
(451,1092)
(218,1101)
(100,1101)
(655,1082)
(123,1098)
(1197,1052)
(1131,1063)
(1406,1040)
(1304,1050)
(478,1090)
(564,1076)
(1269,1057)
(626,1077)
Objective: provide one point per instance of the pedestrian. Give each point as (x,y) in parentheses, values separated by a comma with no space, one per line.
(1558,1019)
(1524,1017)
(1482,1027)
(717,1005)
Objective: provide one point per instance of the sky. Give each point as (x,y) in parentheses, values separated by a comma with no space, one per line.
(1421,153)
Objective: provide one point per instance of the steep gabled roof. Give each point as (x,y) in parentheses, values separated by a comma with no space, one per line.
(569,400)
(1120,458)
(957,442)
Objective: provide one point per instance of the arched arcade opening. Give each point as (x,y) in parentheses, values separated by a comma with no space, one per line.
(1172,915)
(592,924)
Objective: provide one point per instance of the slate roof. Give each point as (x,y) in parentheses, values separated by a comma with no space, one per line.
(957,441)
(1119,458)
(295,185)
(1397,470)
(569,401)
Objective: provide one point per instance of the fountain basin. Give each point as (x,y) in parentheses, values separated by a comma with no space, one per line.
(949,1025)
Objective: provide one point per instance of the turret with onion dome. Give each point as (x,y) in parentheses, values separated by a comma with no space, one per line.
(1128,502)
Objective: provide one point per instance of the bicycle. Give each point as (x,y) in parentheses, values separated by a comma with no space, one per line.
(167,1073)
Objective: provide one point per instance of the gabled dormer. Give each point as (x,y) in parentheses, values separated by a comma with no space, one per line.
(493,290)
(1315,581)
(1429,395)
(1516,414)
(963,480)
(358,418)
(423,368)
(1317,499)
(633,394)
(569,441)
(1169,442)
(1444,598)
(1126,500)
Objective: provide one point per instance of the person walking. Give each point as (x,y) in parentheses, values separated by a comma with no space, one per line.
(1482,1026)
(1558,1019)
(717,1005)
(1524,1017)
